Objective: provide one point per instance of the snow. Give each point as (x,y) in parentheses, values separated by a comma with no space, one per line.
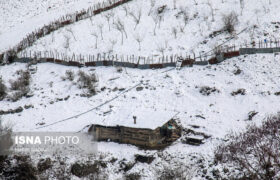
(165,93)
(21,17)
(194,37)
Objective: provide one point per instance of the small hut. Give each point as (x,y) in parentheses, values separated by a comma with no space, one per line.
(146,138)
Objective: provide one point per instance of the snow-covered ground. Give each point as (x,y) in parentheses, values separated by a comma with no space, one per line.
(20,17)
(182,28)
(163,95)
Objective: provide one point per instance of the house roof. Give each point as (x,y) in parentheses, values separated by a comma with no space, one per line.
(145,118)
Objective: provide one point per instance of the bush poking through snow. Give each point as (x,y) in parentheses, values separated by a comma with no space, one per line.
(19,94)
(20,85)
(133,176)
(89,170)
(255,153)
(230,21)
(22,81)
(70,75)
(239,91)
(179,172)
(206,90)
(17,167)
(87,81)
(277,93)
(5,138)
(119,69)
(3,89)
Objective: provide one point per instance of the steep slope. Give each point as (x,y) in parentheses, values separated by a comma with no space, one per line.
(19,18)
(165,27)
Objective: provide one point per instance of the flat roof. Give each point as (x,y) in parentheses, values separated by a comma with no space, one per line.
(145,118)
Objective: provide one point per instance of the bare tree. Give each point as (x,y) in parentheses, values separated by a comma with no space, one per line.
(174,32)
(230,22)
(3,89)
(125,8)
(160,13)
(67,42)
(136,17)
(166,43)
(156,21)
(255,153)
(161,49)
(182,29)
(185,18)
(100,27)
(139,38)
(153,2)
(71,31)
(96,37)
(6,141)
(174,4)
(212,9)
(53,38)
(241,2)
(119,26)
(113,43)
(108,16)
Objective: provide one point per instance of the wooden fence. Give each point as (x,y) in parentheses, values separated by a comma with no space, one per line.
(152,61)
(57,24)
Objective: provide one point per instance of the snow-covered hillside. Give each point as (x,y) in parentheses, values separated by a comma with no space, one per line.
(182,27)
(209,102)
(163,96)
(21,17)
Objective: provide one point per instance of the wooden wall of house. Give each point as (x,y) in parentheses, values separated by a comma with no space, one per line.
(141,137)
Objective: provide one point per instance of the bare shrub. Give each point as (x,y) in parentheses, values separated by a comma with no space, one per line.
(136,17)
(133,176)
(20,85)
(23,91)
(153,2)
(239,91)
(139,38)
(255,153)
(89,170)
(3,89)
(87,81)
(230,21)
(206,90)
(22,81)
(17,167)
(5,138)
(119,26)
(174,32)
(178,172)
(96,38)
(119,69)
(69,75)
